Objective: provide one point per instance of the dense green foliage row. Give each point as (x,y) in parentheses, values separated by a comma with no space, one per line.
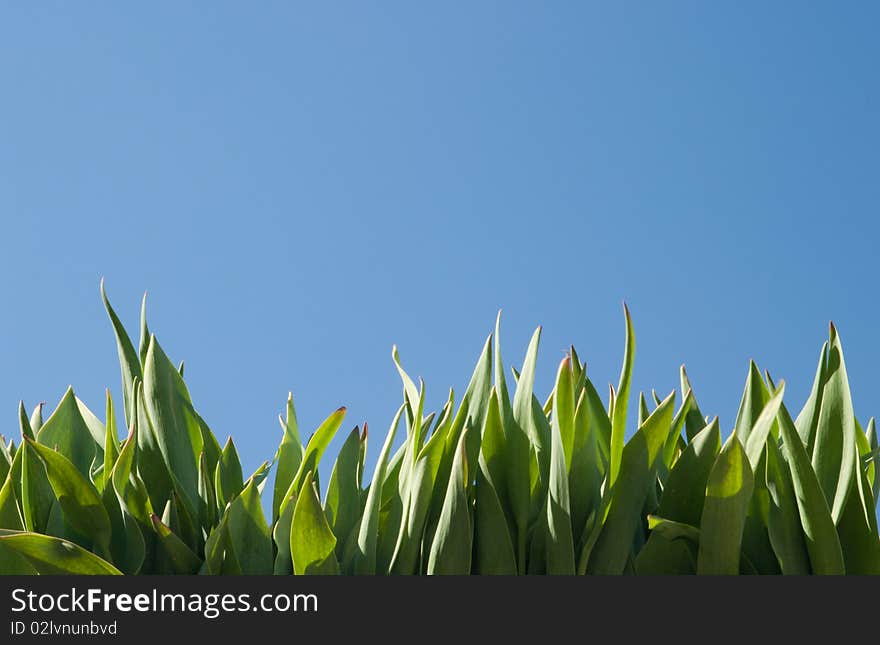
(497,482)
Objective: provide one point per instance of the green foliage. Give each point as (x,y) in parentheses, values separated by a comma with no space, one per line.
(496,483)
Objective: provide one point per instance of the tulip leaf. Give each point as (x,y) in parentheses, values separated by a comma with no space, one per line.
(312,543)
(728,492)
(83,509)
(54,556)
(452,546)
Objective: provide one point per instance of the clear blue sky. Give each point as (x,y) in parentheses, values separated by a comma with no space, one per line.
(300,186)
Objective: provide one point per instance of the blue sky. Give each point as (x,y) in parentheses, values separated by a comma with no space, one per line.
(298,186)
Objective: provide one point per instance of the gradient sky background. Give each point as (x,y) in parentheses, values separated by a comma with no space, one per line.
(300,186)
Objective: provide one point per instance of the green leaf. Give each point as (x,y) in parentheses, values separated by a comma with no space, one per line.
(694,420)
(66,431)
(36,493)
(492,456)
(663,557)
(672,530)
(783,518)
(228,479)
(410,390)
(13,564)
(608,551)
(835,450)
(315,449)
(618,415)
(343,503)
(208,508)
(80,501)
(755,396)
(127,545)
(559,545)
(144,342)
(685,489)
(643,408)
(211,448)
(675,443)
(96,429)
(477,397)
(111,441)
(178,557)
(493,550)
(523,409)
(174,424)
(363,559)
(10,513)
(823,544)
(587,472)
(288,458)
(807,421)
(220,557)
(249,535)
(516,490)
(151,467)
(760,430)
(258,477)
(129,489)
(5,458)
(563,410)
(600,422)
(728,492)
(452,546)
(873,473)
(422,485)
(185,527)
(129,362)
(24,423)
(54,556)
(312,542)
(857,528)
(525,420)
